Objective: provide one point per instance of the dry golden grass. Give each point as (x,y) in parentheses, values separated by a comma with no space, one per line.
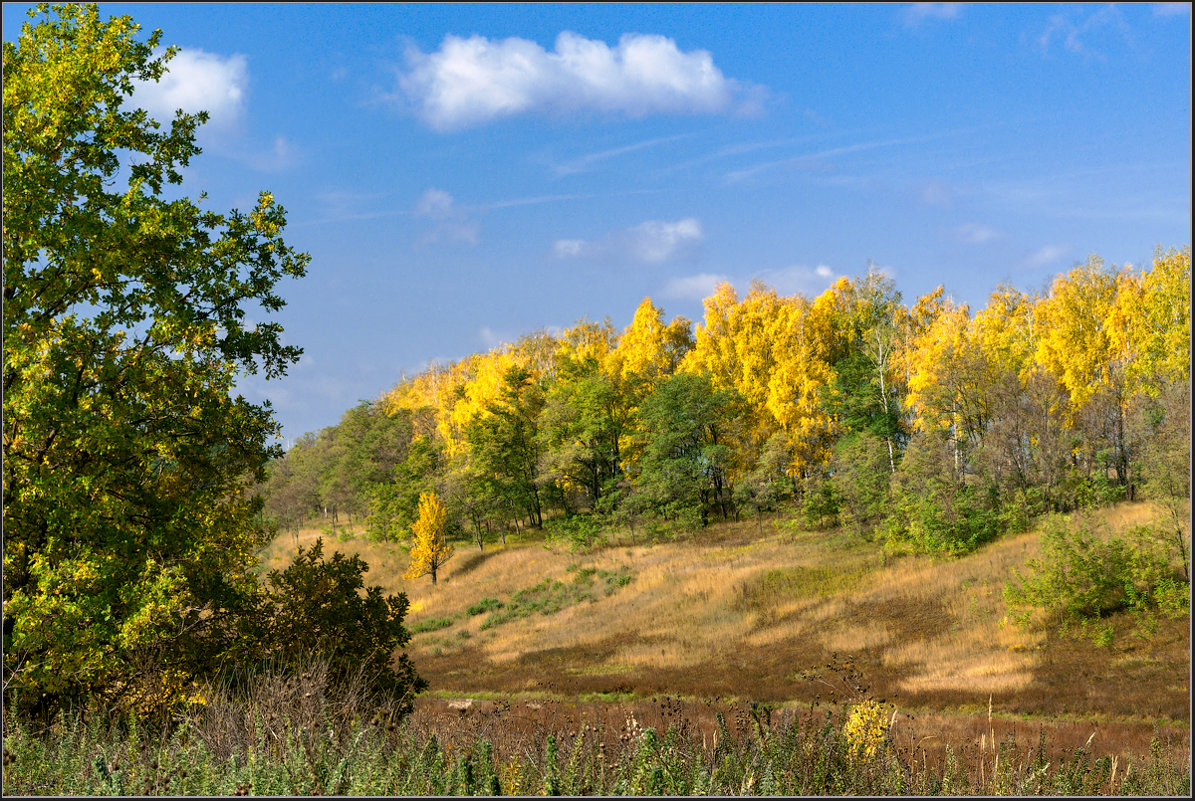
(730,613)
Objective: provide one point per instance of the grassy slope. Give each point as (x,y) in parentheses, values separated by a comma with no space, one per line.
(735,615)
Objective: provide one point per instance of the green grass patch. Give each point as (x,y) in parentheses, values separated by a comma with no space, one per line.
(430,624)
(551,595)
(484,605)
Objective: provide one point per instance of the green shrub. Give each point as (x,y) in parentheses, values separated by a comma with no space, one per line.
(317,607)
(1084,575)
(484,605)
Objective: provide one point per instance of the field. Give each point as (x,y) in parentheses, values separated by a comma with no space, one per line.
(776,616)
(750,659)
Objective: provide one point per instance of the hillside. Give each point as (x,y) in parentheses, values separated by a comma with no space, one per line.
(783,617)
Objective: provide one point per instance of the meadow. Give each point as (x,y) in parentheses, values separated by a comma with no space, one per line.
(738,660)
(787,618)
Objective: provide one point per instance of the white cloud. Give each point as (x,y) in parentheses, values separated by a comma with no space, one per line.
(1046,255)
(651,242)
(434,203)
(799,279)
(198,81)
(975,233)
(1073,34)
(1172,9)
(693,287)
(452,223)
(916,13)
(655,241)
(474,80)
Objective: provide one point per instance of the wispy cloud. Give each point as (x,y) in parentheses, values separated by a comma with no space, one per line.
(693,287)
(937,193)
(588,161)
(1075,35)
(651,242)
(816,159)
(475,80)
(451,223)
(1172,9)
(282,154)
(1046,255)
(198,81)
(975,233)
(917,13)
(736,150)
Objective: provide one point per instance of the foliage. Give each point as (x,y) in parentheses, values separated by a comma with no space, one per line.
(430,550)
(301,739)
(933,510)
(685,434)
(860,481)
(129,462)
(1085,574)
(865,729)
(934,426)
(321,607)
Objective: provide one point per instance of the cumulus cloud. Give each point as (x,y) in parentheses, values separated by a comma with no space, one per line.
(652,242)
(474,80)
(975,233)
(693,287)
(198,81)
(655,241)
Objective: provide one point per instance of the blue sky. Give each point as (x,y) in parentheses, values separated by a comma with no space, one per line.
(464,174)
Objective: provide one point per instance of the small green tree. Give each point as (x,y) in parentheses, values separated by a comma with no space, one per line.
(859,478)
(1084,574)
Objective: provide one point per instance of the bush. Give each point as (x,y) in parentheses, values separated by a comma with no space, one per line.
(316,607)
(1084,575)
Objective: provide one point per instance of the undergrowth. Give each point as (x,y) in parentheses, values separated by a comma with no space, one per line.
(267,745)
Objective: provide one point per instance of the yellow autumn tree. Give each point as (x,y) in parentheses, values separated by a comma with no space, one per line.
(649,348)
(1075,345)
(430,551)
(1150,323)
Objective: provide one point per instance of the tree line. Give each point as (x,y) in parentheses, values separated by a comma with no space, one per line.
(925,424)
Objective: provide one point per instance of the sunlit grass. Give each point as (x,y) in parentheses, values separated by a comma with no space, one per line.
(775,605)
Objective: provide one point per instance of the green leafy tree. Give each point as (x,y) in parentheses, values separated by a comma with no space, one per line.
(504,444)
(686,435)
(859,480)
(394,503)
(583,419)
(128,521)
